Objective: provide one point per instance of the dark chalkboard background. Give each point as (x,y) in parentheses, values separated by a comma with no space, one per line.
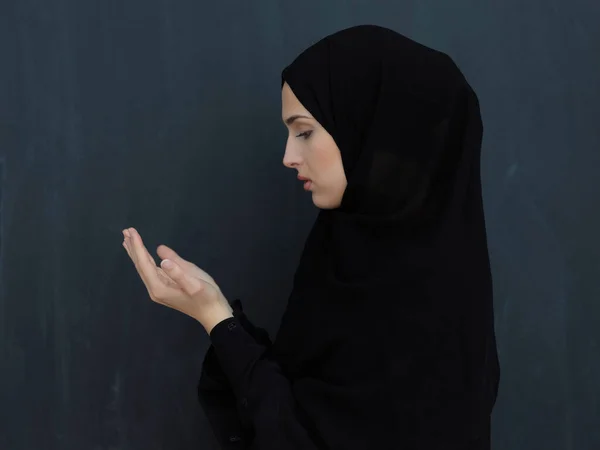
(165,115)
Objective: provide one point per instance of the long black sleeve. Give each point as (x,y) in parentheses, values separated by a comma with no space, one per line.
(221,407)
(229,421)
(247,398)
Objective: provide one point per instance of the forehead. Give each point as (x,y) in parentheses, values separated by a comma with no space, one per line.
(289,101)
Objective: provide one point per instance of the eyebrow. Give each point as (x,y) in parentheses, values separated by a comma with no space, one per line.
(290,120)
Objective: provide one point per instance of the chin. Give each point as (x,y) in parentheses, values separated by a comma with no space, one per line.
(325,203)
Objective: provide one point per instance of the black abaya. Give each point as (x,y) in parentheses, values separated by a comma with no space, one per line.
(388,338)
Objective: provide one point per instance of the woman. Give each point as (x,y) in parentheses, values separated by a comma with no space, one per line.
(387,340)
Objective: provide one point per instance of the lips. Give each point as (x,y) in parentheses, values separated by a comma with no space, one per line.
(307,182)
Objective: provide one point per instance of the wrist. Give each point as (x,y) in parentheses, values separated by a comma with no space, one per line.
(210,319)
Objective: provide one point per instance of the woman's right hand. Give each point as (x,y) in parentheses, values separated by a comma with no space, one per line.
(184,287)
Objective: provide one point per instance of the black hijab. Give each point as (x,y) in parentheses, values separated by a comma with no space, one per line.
(388,336)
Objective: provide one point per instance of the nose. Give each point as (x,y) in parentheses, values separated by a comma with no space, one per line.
(292,157)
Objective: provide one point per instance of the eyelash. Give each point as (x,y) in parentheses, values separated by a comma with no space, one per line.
(305,135)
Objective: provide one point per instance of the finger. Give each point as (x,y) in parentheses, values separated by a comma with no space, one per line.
(190,285)
(151,258)
(125,238)
(168,253)
(161,273)
(126,246)
(146,269)
(128,249)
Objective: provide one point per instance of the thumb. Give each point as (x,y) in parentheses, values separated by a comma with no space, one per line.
(190,285)
(168,253)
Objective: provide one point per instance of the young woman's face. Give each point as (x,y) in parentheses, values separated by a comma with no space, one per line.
(311,150)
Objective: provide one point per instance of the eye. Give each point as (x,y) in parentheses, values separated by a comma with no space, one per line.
(305,135)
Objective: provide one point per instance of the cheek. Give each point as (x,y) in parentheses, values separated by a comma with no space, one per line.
(326,160)
(328,170)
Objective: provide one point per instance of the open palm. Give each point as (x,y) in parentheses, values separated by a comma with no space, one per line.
(193,291)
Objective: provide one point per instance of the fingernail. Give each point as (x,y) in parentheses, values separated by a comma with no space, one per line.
(167,264)
(126,233)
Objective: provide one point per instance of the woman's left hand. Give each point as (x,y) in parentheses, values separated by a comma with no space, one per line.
(180,285)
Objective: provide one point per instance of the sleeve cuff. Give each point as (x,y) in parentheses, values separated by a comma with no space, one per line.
(236,350)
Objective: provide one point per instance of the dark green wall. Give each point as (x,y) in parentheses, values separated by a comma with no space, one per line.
(165,115)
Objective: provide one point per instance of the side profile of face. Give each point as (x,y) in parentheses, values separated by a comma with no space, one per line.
(312,151)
